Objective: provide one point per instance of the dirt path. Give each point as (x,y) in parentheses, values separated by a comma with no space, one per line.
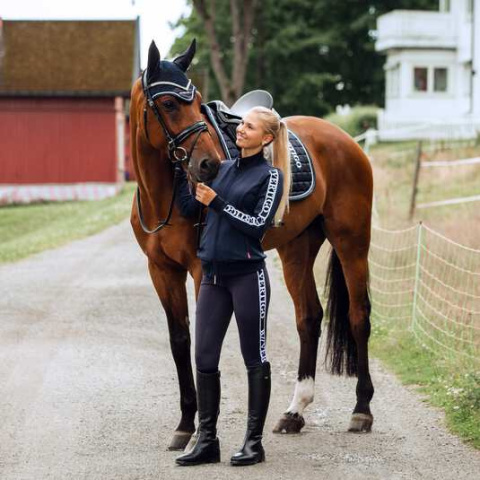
(88,388)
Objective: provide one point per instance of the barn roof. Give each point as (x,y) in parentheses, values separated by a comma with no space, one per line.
(68,57)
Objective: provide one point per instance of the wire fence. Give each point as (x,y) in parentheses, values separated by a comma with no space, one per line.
(462,186)
(429,284)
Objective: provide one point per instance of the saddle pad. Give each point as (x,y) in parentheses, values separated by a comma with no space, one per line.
(303,177)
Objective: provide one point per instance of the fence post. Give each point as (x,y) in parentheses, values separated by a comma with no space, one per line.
(418,162)
(417,276)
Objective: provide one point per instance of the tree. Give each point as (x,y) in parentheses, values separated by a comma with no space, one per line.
(242,15)
(310,54)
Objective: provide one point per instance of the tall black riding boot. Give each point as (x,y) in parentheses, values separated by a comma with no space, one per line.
(207,448)
(259,384)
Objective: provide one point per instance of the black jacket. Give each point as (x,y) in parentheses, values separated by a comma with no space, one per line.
(249,191)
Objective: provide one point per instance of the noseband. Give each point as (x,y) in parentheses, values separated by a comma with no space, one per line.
(176,153)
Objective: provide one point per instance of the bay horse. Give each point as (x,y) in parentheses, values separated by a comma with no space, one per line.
(167,126)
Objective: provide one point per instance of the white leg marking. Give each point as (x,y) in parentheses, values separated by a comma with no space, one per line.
(303,396)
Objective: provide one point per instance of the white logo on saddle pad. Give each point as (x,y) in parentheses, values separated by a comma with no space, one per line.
(295,156)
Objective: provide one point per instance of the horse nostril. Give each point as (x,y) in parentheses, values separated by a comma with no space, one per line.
(204,165)
(208,168)
(214,168)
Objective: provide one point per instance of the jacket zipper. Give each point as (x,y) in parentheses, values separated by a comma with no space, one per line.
(224,189)
(247,249)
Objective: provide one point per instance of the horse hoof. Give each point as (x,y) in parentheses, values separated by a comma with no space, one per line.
(192,442)
(289,423)
(361,422)
(180,440)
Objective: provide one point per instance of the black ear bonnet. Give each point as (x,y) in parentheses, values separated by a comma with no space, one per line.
(168,78)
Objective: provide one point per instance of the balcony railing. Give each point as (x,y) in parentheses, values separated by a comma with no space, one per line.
(416,29)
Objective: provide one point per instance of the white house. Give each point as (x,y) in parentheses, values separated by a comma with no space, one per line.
(432,71)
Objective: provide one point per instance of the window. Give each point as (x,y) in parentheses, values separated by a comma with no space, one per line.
(395,81)
(444,5)
(430,79)
(420,79)
(439,79)
(392,72)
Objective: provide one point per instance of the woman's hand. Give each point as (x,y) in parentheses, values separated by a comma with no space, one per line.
(204,194)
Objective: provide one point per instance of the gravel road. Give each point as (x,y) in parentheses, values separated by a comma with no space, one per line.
(88,387)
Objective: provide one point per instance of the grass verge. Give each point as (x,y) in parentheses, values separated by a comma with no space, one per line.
(29,229)
(449,384)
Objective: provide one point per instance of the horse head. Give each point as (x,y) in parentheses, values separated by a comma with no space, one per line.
(172,121)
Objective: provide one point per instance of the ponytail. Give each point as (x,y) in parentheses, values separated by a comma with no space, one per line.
(281,160)
(277,154)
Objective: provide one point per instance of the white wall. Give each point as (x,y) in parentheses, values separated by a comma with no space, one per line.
(476,60)
(409,103)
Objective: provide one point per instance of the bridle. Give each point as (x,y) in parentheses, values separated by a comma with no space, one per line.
(174,142)
(176,153)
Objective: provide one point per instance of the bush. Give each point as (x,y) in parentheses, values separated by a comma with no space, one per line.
(359,119)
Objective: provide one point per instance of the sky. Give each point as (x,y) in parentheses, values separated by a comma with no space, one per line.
(154,15)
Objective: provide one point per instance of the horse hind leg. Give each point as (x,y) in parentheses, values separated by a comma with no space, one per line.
(349,327)
(298,258)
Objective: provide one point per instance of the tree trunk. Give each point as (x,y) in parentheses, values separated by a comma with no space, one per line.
(243,15)
(260,49)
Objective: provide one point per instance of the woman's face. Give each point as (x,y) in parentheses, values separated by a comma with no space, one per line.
(250,132)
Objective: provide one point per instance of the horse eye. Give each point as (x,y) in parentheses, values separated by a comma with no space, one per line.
(168,105)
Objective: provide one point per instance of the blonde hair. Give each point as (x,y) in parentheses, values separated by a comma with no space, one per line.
(277,153)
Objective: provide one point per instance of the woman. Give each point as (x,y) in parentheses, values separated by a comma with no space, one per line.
(242,202)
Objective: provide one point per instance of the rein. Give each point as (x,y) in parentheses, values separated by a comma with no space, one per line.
(179,154)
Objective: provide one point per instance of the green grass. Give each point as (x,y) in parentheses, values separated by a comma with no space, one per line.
(393,167)
(29,229)
(449,384)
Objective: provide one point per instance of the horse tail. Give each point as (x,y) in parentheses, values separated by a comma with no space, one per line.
(341,352)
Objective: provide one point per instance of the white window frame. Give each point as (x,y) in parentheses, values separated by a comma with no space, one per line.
(431,80)
(423,67)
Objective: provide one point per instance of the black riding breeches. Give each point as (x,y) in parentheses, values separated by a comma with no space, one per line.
(246,295)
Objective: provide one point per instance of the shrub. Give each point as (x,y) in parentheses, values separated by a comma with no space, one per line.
(359,119)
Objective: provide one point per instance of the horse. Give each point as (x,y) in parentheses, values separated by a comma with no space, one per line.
(167,126)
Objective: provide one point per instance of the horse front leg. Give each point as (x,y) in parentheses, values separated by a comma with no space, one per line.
(170,285)
(298,258)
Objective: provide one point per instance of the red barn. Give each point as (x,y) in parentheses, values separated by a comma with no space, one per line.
(63,92)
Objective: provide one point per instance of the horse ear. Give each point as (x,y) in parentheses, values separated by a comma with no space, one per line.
(153,60)
(185,59)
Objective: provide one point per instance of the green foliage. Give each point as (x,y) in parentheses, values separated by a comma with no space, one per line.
(357,121)
(29,229)
(311,55)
